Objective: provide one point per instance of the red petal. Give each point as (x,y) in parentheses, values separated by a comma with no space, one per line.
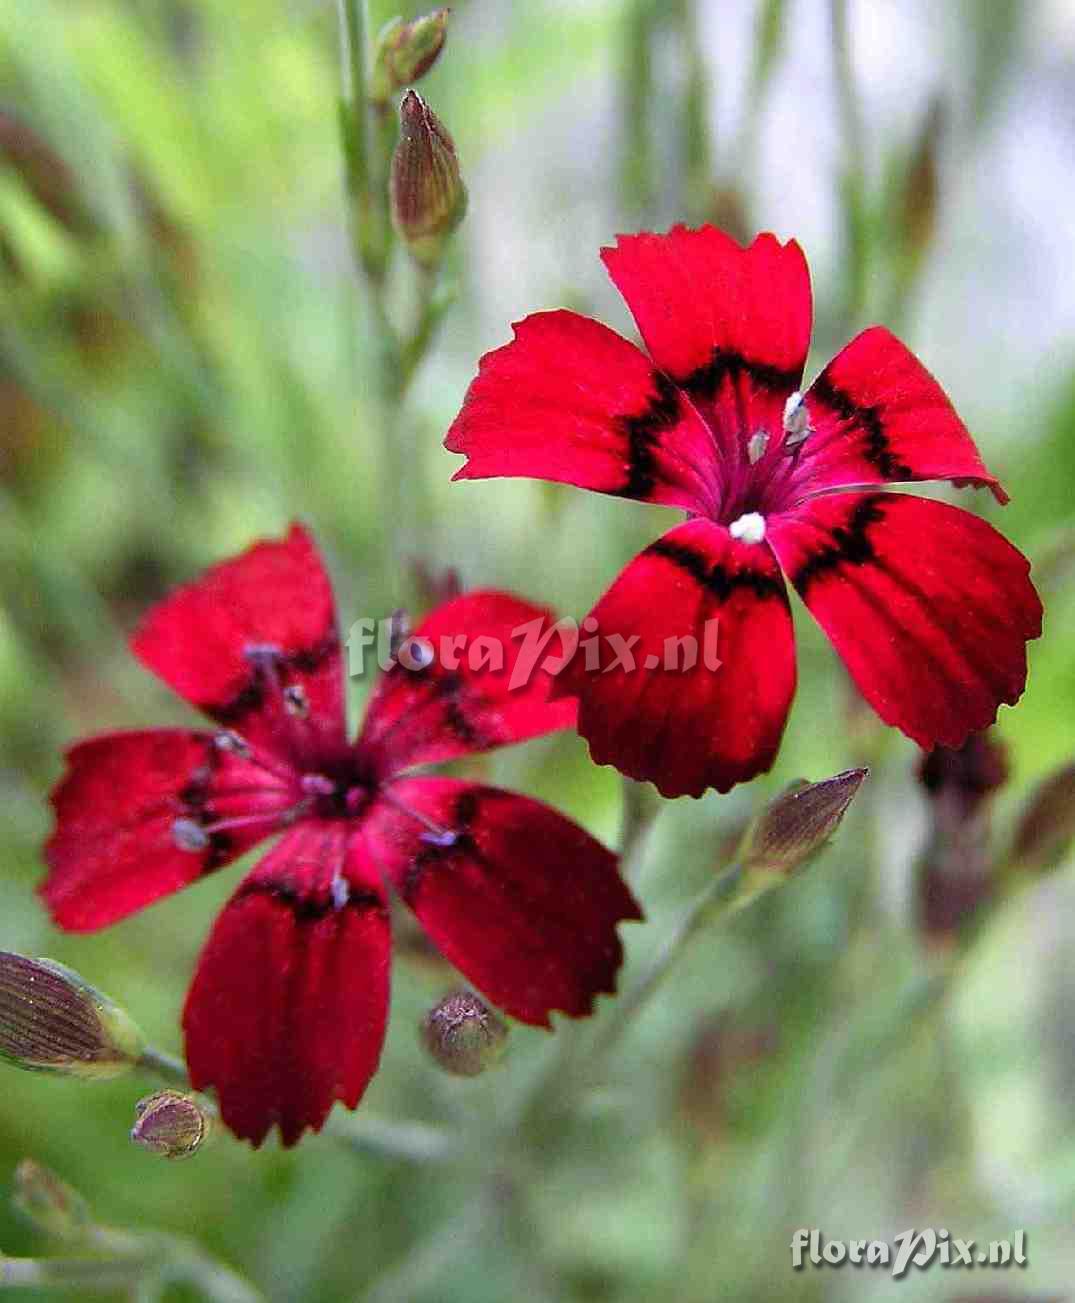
(287,1010)
(877,415)
(689,729)
(114,849)
(522,901)
(929,606)
(571,401)
(275,595)
(709,309)
(419,716)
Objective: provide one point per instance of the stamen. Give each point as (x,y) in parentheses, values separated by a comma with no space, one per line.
(318,785)
(756,446)
(435,835)
(399,626)
(415,654)
(189,835)
(266,659)
(796,421)
(341,892)
(295,701)
(749,528)
(231,743)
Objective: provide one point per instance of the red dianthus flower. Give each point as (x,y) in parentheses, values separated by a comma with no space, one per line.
(929,607)
(288,1006)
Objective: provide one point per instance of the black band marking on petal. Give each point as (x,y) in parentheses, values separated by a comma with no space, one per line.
(704,381)
(643,434)
(876,449)
(850,544)
(251,697)
(463,818)
(716,579)
(312,907)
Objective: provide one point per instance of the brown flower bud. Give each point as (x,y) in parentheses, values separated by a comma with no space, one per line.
(956,870)
(464,1035)
(172,1124)
(1046,827)
(48,1203)
(53,1021)
(428,195)
(795,826)
(405,52)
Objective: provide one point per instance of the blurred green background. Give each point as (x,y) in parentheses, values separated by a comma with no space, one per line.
(185,364)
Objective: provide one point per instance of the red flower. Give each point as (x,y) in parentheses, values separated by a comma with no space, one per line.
(929,607)
(288,1006)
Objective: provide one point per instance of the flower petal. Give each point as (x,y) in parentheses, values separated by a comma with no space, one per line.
(929,607)
(208,641)
(461,703)
(571,401)
(114,849)
(288,1007)
(521,900)
(690,728)
(729,325)
(877,415)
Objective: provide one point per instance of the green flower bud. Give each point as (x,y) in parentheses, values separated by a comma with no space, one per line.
(464,1035)
(428,195)
(405,52)
(795,826)
(53,1021)
(48,1203)
(172,1124)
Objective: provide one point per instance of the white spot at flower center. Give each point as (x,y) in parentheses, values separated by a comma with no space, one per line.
(341,893)
(749,528)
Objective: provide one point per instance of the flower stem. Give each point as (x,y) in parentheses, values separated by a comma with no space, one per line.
(168,1067)
(726,894)
(413,1142)
(853,177)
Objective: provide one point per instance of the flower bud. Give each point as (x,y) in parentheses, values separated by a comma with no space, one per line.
(171,1123)
(955,871)
(1046,827)
(53,1021)
(405,52)
(428,195)
(464,1035)
(48,1203)
(795,826)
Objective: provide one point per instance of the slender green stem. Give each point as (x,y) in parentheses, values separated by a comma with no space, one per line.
(853,177)
(638,170)
(93,1274)
(724,895)
(171,1069)
(413,1142)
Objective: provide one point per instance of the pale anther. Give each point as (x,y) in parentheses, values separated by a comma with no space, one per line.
(189,836)
(796,420)
(295,701)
